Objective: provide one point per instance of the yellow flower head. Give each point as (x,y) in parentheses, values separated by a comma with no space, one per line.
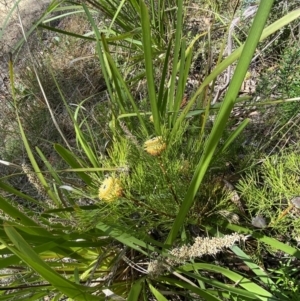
(155,146)
(110,190)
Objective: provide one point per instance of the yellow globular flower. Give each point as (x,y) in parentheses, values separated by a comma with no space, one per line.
(155,146)
(151,119)
(110,189)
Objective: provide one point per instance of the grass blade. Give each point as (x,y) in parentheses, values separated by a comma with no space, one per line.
(268,240)
(201,292)
(30,225)
(72,161)
(136,290)
(223,115)
(8,18)
(178,35)
(125,238)
(121,84)
(23,250)
(234,134)
(162,101)
(235,277)
(147,46)
(157,294)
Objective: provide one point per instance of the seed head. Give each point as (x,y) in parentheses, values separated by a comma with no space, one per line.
(34,180)
(201,246)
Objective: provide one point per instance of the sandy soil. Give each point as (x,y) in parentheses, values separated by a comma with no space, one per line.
(30,11)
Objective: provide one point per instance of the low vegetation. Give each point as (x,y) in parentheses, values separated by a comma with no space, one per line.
(150,152)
